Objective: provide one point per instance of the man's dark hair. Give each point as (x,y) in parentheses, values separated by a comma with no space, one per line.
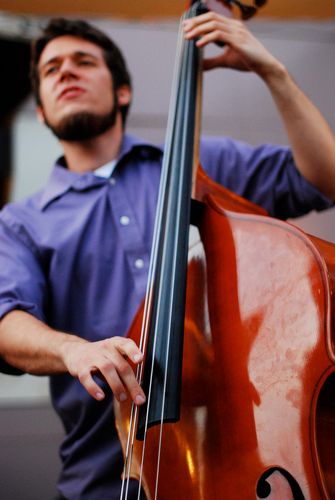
(112,54)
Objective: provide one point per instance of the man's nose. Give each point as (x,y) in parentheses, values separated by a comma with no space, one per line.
(68,69)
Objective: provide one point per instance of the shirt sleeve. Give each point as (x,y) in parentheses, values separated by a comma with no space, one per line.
(22,282)
(266,175)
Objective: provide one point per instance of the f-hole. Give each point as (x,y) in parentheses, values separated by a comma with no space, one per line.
(264,486)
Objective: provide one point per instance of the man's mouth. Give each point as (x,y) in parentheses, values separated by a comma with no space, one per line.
(71,93)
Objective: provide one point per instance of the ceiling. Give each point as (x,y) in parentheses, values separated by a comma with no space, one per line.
(151,9)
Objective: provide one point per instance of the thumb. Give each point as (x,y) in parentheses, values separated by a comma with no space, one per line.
(214,62)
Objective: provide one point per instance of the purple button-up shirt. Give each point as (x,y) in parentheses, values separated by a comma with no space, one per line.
(76,256)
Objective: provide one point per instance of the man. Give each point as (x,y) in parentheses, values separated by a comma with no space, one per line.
(74,257)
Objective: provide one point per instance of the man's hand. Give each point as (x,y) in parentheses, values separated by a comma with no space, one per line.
(30,345)
(109,359)
(242,50)
(311,139)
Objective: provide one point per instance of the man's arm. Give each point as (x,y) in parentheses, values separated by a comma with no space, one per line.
(311,139)
(30,345)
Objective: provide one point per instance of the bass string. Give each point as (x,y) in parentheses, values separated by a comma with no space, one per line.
(149,294)
(146,314)
(176,82)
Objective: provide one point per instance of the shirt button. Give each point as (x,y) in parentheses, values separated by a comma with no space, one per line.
(124,220)
(112,181)
(139,263)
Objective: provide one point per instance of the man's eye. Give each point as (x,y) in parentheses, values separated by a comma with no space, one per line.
(50,70)
(85,62)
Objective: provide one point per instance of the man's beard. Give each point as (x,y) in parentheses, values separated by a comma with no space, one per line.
(83,125)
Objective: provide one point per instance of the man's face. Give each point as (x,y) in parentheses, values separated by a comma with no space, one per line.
(74,81)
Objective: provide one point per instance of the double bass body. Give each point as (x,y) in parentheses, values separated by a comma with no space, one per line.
(257,414)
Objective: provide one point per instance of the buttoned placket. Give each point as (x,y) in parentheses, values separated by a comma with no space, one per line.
(130,235)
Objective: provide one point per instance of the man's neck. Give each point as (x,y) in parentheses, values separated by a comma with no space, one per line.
(86,156)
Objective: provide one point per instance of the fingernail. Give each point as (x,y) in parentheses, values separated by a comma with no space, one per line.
(99,395)
(123,397)
(137,357)
(139,400)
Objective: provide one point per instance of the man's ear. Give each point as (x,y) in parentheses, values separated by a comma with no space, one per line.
(40,114)
(123,95)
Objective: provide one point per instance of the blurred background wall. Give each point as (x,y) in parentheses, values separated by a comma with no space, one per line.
(235,104)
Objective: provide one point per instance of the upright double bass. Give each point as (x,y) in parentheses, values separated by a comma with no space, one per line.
(239,365)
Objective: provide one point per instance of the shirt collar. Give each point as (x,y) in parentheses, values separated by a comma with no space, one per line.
(62,180)
(106,170)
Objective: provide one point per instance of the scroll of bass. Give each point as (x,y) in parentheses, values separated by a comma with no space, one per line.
(257,417)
